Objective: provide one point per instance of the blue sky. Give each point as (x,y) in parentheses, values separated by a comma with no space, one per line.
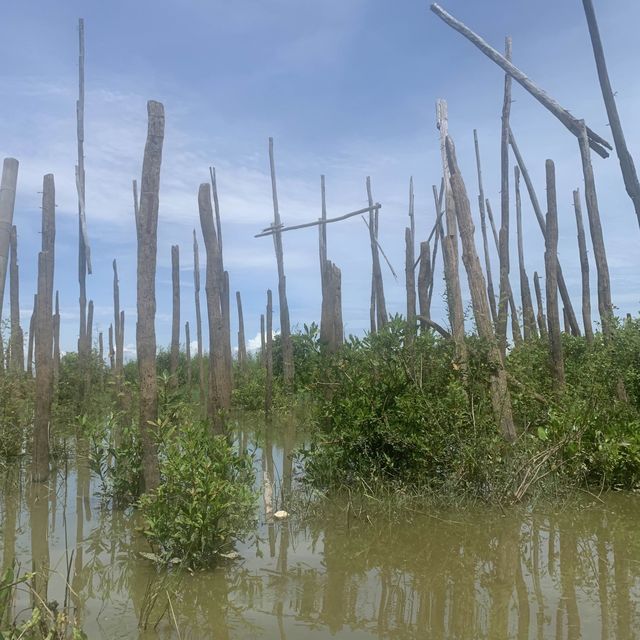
(346,87)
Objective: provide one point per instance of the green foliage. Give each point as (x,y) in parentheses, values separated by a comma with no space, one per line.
(307,356)
(16,413)
(205,501)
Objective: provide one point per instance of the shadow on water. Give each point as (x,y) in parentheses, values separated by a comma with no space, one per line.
(563,574)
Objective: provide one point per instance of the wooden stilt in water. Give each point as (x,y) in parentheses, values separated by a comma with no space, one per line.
(8,184)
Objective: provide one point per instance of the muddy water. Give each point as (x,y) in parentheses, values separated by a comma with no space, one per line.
(570,573)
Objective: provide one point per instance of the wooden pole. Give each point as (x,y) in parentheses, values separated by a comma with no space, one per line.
(551,266)
(376,271)
(32,335)
(605,305)
(242,346)
(500,397)
(629,174)
(44,337)
(268,393)
(8,184)
(285,327)
(196,283)
(528,315)
(540,317)
(147,235)
(262,340)
(17,337)
(424,279)
(174,358)
(598,144)
(410,274)
(584,269)
(187,337)
(535,203)
(56,342)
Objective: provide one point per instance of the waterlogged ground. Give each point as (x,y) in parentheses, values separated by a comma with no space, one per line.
(569,573)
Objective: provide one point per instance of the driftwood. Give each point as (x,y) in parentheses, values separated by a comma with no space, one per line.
(187,344)
(16,350)
(174,357)
(242,346)
(268,387)
(32,336)
(56,342)
(584,269)
(540,316)
(500,396)
(377,285)
(629,174)
(285,327)
(551,266)
(535,203)
(597,143)
(147,236)
(7,205)
(410,274)
(44,337)
(196,287)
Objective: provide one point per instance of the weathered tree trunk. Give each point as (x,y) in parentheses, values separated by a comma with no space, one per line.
(424,279)
(56,342)
(378,284)
(551,267)
(410,258)
(584,269)
(262,339)
(112,353)
(535,203)
(187,337)
(605,305)
(174,358)
(540,317)
(268,386)
(7,204)
(528,315)
(147,235)
(331,331)
(483,228)
(242,347)
(500,397)
(44,336)
(17,337)
(214,289)
(503,249)
(196,286)
(285,327)
(627,166)
(32,336)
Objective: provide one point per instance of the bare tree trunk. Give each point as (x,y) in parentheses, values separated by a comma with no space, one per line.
(7,204)
(551,266)
(174,359)
(196,283)
(32,335)
(44,336)
(112,352)
(627,166)
(187,337)
(56,342)
(214,289)
(424,279)
(500,397)
(528,315)
(584,269)
(268,387)
(378,284)
(540,317)
(147,234)
(605,305)
(564,292)
(285,327)
(262,339)
(242,347)
(410,258)
(17,337)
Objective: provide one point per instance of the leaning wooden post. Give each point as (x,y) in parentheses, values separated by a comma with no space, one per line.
(32,336)
(147,235)
(196,286)
(44,336)
(187,337)
(629,175)
(500,397)
(268,387)
(540,317)
(56,341)
(17,337)
(174,358)
(285,327)
(584,269)
(551,266)
(605,305)
(528,315)
(242,347)
(410,273)
(7,204)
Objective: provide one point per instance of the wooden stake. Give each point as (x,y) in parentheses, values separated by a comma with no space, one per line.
(17,337)
(268,394)
(540,317)
(174,359)
(584,269)
(242,347)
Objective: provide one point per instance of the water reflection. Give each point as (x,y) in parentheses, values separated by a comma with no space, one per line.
(479,574)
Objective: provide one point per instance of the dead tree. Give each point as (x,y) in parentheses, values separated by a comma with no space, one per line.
(187,337)
(44,336)
(540,317)
(268,386)
(535,203)
(503,249)
(551,266)
(627,166)
(410,274)
(16,364)
(56,342)
(528,315)
(213,288)
(285,327)
(196,286)
(584,269)
(380,304)
(147,235)
(605,305)
(174,358)
(242,347)
(500,397)
(597,143)
(7,204)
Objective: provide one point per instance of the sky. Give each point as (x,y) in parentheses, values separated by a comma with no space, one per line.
(347,88)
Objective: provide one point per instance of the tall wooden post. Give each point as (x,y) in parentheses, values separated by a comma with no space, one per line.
(196,286)
(147,234)
(7,204)
(175,323)
(584,269)
(17,337)
(242,347)
(268,387)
